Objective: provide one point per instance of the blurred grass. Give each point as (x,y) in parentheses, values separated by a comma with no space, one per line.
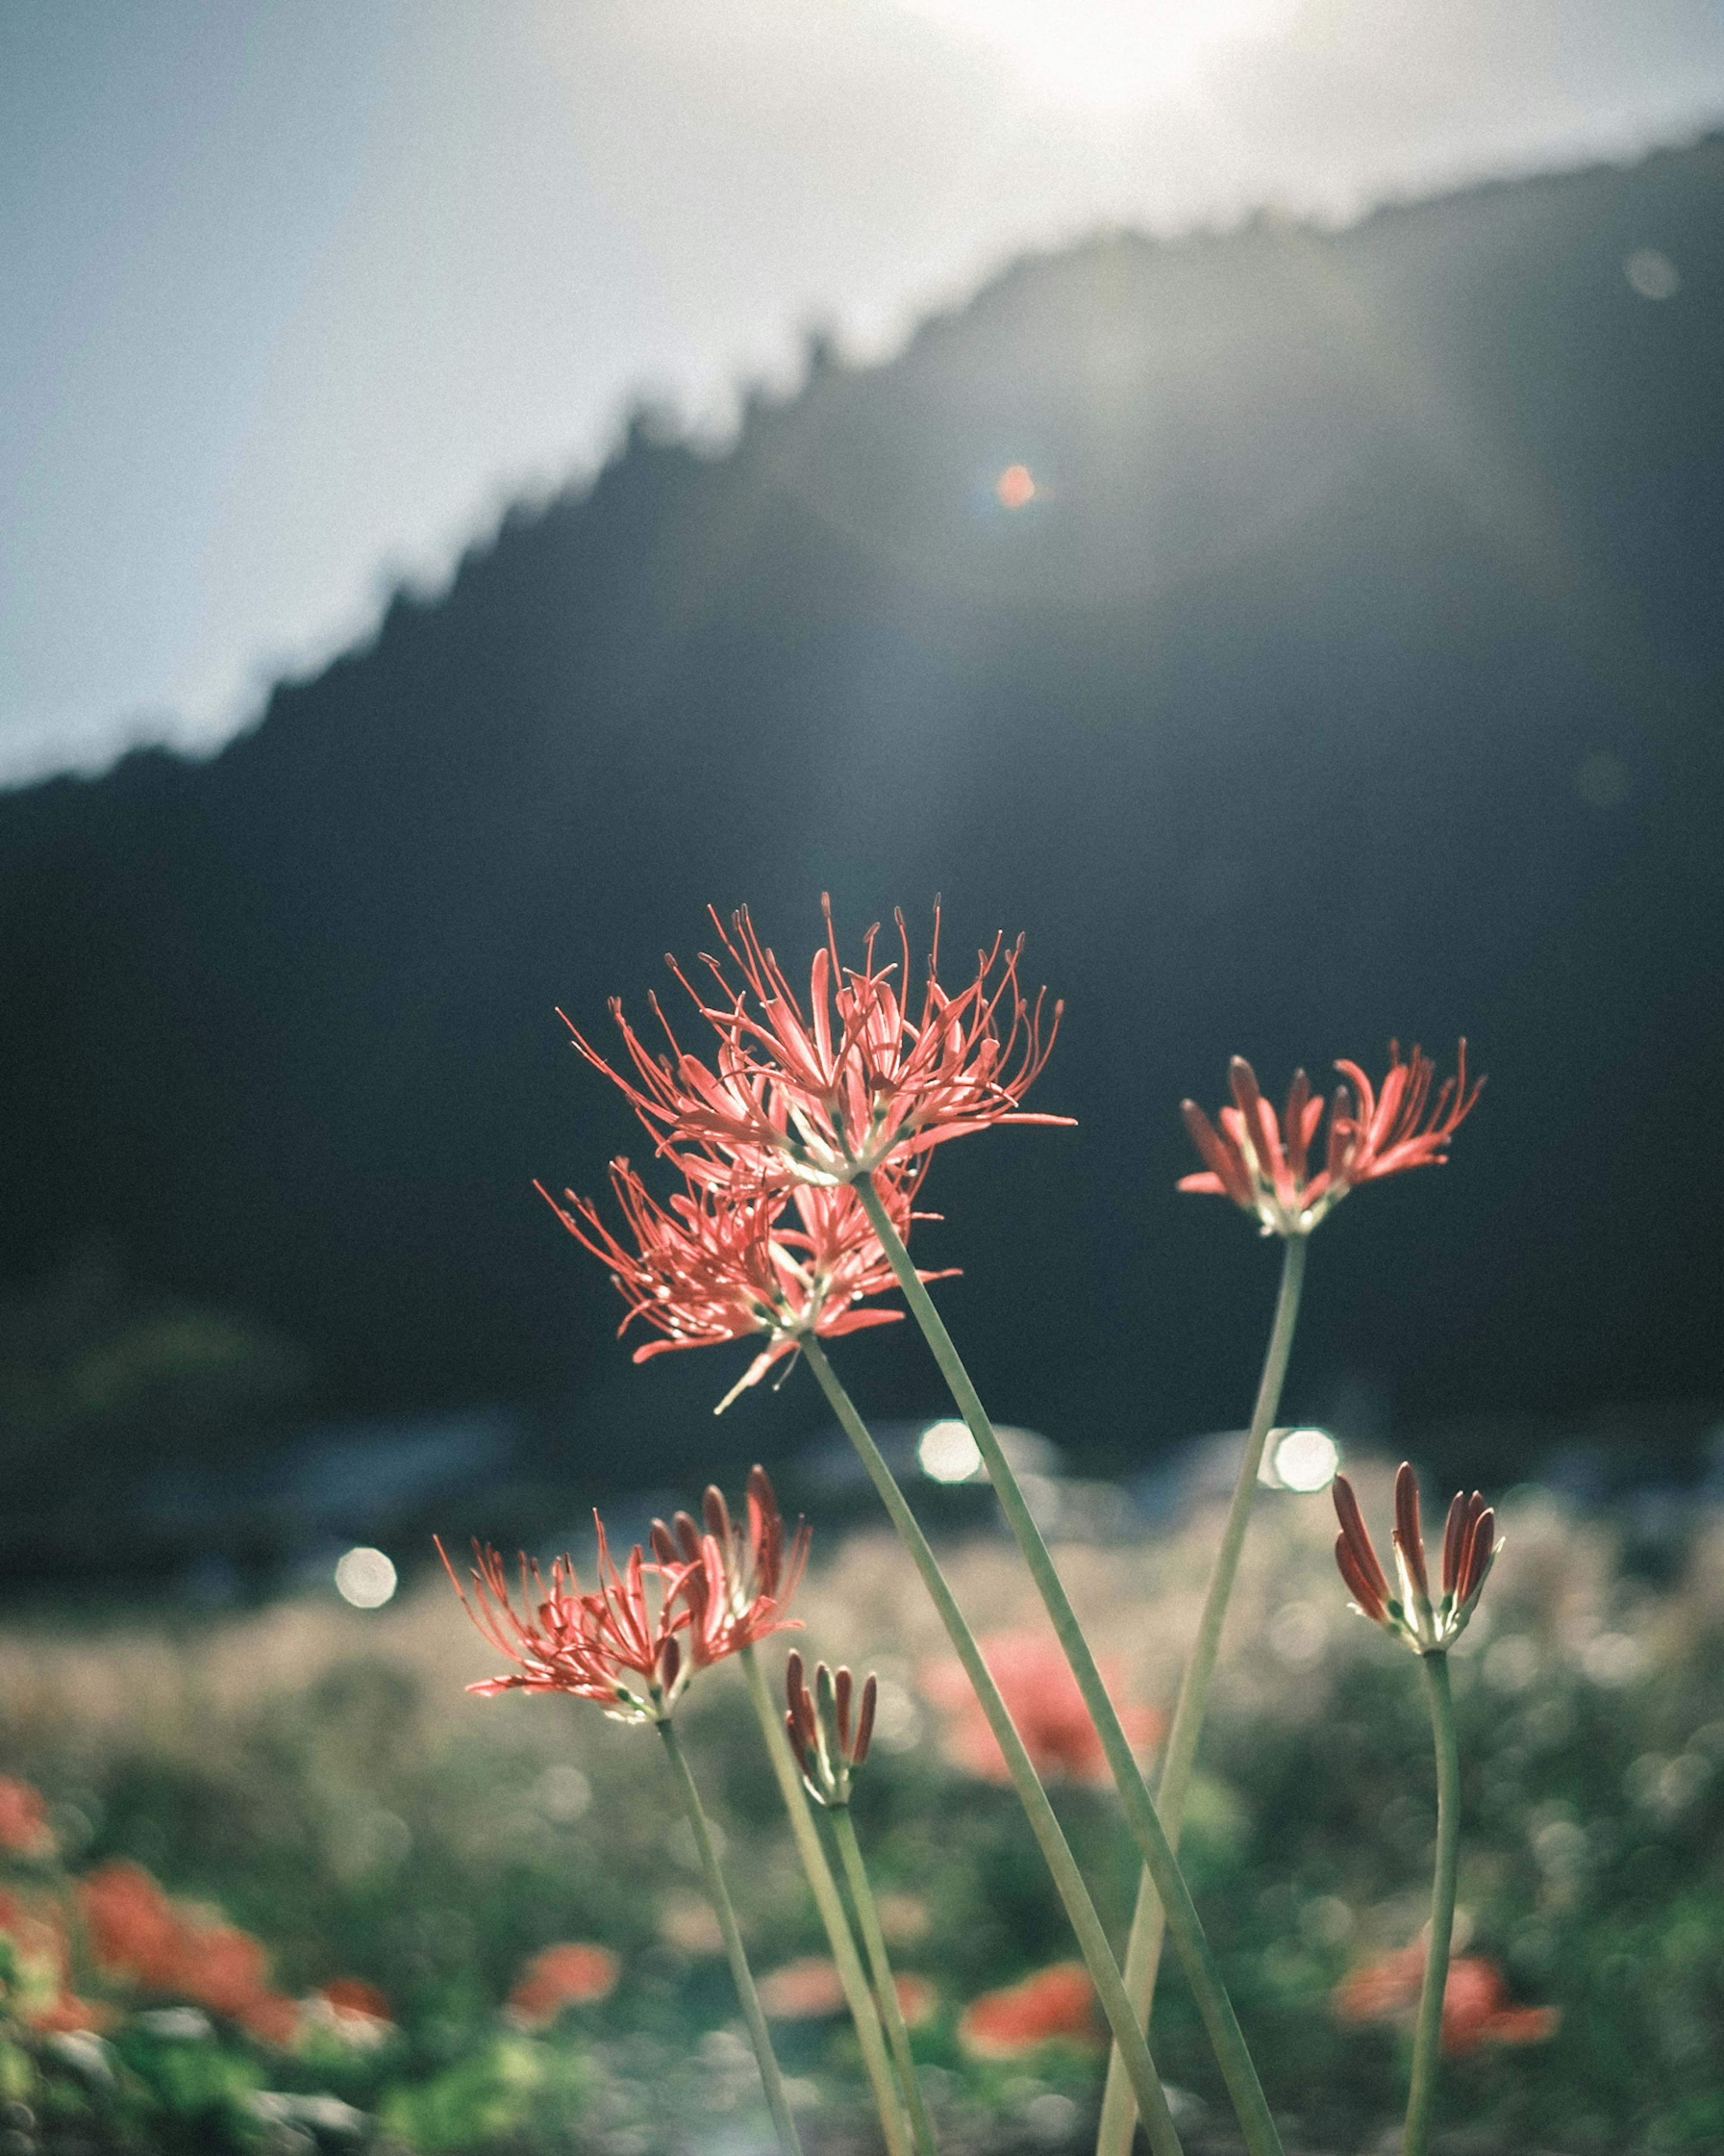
(318,1773)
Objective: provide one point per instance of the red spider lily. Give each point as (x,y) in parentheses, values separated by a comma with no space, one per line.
(757,1564)
(616,1645)
(727,1259)
(1057,2003)
(833,1093)
(721,1622)
(1469,1547)
(1475,2001)
(829,1729)
(1042,1697)
(1263,1164)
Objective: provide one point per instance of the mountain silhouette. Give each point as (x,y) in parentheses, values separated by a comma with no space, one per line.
(1352,671)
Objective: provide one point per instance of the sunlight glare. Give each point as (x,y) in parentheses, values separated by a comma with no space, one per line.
(1106,53)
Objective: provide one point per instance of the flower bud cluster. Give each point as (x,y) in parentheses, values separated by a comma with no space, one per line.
(1469,1547)
(830,1728)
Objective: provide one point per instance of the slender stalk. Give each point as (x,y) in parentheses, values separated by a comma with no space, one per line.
(1143,1949)
(1220,2022)
(1092,1939)
(827,1901)
(777,2103)
(1427,2037)
(885,1990)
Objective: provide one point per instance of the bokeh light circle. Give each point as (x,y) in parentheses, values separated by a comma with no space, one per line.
(365,1577)
(1305,1459)
(948,1453)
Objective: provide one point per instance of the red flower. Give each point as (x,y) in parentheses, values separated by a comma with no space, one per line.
(1469,1547)
(616,1645)
(135,1931)
(833,1093)
(807,1989)
(1264,1165)
(1057,2002)
(572,1974)
(727,1260)
(738,1582)
(1042,1697)
(24,1831)
(1475,2001)
(354,2012)
(137,1934)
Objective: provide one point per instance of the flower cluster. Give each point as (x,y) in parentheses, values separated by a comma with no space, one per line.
(1263,1163)
(830,1728)
(836,1091)
(631,1642)
(767,1238)
(1469,1547)
(138,1936)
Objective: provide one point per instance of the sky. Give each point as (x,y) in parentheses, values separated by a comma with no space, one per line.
(295,299)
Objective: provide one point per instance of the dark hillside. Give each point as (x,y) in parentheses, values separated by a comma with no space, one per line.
(1356,670)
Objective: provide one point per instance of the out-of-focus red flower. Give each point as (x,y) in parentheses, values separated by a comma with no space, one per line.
(1054,2003)
(834,1092)
(572,1974)
(135,1933)
(741,1255)
(139,1937)
(616,1645)
(807,1989)
(1469,1547)
(1264,1165)
(24,1831)
(1476,2007)
(918,1998)
(228,1971)
(352,1995)
(1042,1697)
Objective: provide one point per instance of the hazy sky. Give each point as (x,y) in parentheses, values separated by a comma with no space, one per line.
(295,294)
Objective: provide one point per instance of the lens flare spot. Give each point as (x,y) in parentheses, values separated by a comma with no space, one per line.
(1014,488)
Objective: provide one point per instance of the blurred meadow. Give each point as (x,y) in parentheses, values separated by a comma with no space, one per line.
(317,1773)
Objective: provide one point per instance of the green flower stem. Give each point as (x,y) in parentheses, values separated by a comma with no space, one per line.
(830,1904)
(1220,2021)
(885,1990)
(1143,1949)
(777,2103)
(1428,2036)
(1092,1939)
